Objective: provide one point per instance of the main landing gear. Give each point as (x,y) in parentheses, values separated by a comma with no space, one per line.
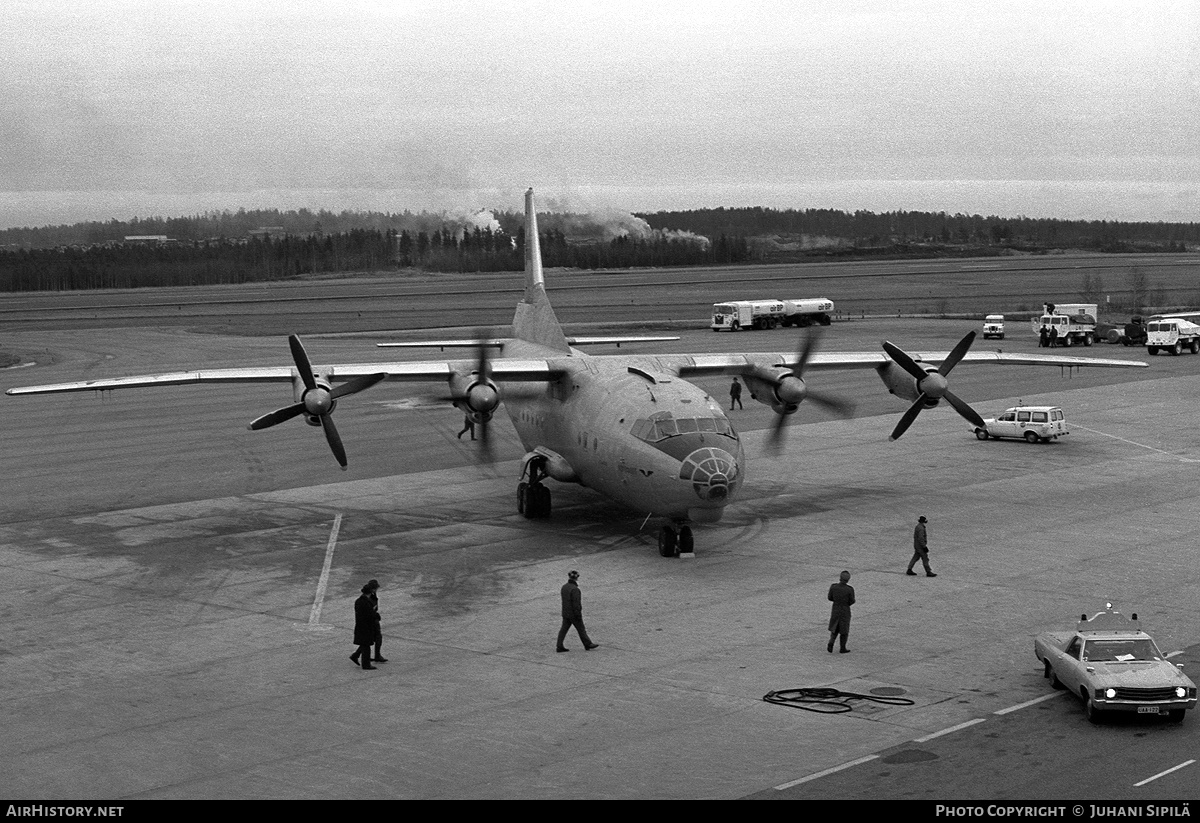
(533,498)
(673,544)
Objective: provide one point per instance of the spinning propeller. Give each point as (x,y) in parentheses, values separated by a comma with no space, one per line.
(318,400)
(932,385)
(791,392)
(474,393)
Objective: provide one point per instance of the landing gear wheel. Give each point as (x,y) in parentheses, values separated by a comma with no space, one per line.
(686,544)
(543,501)
(522,491)
(1031,437)
(666,542)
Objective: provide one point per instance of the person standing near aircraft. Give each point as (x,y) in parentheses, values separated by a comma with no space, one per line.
(920,549)
(374,594)
(735,394)
(366,624)
(572,612)
(468,426)
(841,594)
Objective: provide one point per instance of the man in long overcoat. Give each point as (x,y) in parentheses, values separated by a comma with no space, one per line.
(841,594)
(374,594)
(920,548)
(572,613)
(366,627)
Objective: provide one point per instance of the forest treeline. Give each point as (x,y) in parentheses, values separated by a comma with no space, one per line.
(268,244)
(930,227)
(265,257)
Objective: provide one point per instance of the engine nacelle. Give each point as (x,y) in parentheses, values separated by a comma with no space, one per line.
(553,464)
(475,396)
(780,389)
(316,400)
(902,384)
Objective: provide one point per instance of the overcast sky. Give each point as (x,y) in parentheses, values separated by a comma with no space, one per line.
(123,108)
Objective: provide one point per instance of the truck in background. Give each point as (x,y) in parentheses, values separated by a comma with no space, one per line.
(807,311)
(1173,333)
(993,326)
(1068,323)
(767,314)
(1132,333)
(747,314)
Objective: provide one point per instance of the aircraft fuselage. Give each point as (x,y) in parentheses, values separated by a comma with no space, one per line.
(650,440)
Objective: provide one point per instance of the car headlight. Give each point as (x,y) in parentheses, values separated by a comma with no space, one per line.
(1180,691)
(1110,693)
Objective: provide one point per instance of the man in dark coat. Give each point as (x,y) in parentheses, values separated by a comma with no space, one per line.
(366,625)
(572,613)
(735,394)
(374,587)
(841,594)
(920,549)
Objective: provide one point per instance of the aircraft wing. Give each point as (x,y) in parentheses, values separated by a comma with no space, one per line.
(699,365)
(501,370)
(498,343)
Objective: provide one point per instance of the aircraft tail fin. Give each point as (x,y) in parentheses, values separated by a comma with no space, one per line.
(535,321)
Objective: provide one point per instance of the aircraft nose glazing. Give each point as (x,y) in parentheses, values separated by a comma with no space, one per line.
(713,473)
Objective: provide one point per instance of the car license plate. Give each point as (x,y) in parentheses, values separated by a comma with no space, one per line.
(1147,709)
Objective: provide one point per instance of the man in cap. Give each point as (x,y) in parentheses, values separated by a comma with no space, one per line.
(366,625)
(373,585)
(841,594)
(572,612)
(920,549)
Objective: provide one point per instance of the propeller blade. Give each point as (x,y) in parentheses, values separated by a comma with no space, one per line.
(837,405)
(811,341)
(483,359)
(956,355)
(302,362)
(356,385)
(903,360)
(277,416)
(831,403)
(335,441)
(966,411)
(908,418)
(773,445)
(485,442)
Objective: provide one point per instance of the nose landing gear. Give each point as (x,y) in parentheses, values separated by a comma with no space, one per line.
(676,544)
(533,498)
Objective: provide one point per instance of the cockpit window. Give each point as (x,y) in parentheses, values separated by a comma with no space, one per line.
(660,428)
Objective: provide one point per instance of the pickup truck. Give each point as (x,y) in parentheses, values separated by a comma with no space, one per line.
(1113,666)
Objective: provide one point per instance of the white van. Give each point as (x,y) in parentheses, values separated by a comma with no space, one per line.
(993,326)
(1031,423)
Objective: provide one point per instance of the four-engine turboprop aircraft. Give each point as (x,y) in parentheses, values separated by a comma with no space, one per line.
(629,426)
